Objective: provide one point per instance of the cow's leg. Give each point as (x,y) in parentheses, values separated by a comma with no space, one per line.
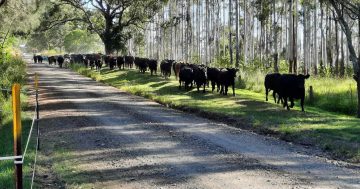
(213,86)
(292,102)
(204,88)
(274,95)
(286,103)
(302,104)
(266,93)
(179,84)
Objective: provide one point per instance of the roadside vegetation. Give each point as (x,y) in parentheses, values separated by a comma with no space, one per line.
(336,133)
(12,69)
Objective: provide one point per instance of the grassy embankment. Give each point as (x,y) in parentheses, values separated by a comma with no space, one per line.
(337,133)
(13,70)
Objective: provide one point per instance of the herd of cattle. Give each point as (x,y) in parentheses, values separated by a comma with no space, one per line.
(284,86)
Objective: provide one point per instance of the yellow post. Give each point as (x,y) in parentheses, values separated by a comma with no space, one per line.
(17,133)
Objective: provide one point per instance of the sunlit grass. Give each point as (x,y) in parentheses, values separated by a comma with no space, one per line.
(335,132)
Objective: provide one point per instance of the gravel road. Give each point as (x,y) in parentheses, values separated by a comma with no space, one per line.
(117,140)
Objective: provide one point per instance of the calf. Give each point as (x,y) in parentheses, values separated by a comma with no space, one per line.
(292,87)
(226,78)
(153,64)
(186,75)
(98,61)
(272,82)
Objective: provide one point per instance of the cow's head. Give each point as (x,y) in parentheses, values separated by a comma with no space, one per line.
(232,71)
(301,80)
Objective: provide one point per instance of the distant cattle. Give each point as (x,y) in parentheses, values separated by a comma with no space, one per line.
(213,76)
(165,67)
(226,78)
(153,64)
(112,62)
(293,87)
(60,60)
(186,76)
(272,82)
(52,60)
(35,58)
(200,76)
(129,61)
(141,64)
(176,67)
(98,61)
(120,62)
(39,59)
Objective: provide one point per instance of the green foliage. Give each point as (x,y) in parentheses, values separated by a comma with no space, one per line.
(81,41)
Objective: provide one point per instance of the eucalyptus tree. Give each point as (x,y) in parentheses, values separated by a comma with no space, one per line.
(110,19)
(349,9)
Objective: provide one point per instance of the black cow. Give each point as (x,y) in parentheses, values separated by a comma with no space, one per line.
(129,61)
(142,64)
(186,75)
(272,82)
(292,87)
(153,64)
(35,58)
(112,62)
(98,61)
(60,60)
(52,59)
(165,67)
(226,78)
(200,76)
(120,62)
(213,76)
(39,59)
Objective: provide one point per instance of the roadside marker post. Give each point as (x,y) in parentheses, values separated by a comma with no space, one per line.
(37,110)
(17,134)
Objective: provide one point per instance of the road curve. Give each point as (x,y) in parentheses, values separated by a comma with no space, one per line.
(118,140)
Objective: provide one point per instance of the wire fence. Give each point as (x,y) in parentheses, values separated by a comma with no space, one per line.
(20,159)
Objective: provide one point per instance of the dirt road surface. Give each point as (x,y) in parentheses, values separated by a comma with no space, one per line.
(117,140)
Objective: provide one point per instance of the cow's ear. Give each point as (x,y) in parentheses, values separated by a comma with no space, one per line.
(307,76)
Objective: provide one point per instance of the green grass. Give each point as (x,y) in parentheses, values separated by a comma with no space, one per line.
(336,133)
(330,94)
(6,143)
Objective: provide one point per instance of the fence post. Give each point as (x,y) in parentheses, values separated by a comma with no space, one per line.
(17,134)
(37,110)
(311,94)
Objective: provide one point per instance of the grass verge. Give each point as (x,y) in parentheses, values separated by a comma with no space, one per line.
(6,143)
(336,133)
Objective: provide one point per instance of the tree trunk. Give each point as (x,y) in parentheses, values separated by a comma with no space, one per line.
(276,67)
(230,33)
(353,57)
(315,41)
(237,33)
